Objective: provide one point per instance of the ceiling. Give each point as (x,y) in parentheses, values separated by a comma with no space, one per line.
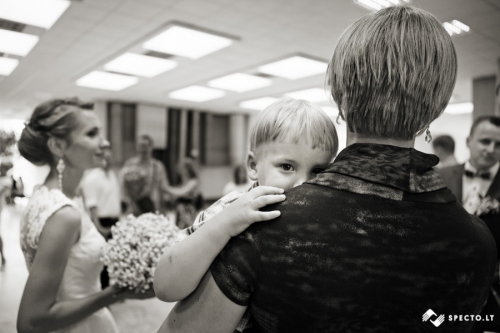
(92,32)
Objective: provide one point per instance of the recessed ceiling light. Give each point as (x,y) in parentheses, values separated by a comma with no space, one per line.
(313,95)
(258,103)
(456,27)
(379,4)
(294,68)
(40,13)
(141,65)
(196,94)
(106,81)
(240,82)
(16,43)
(459,108)
(7,65)
(186,42)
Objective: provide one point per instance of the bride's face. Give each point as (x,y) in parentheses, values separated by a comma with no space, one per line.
(85,143)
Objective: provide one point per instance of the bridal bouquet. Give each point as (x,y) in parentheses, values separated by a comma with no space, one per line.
(487,206)
(133,252)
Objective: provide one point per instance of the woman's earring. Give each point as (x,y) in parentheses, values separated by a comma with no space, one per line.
(60,169)
(428,136)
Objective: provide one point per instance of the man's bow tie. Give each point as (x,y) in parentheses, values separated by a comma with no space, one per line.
(470,174)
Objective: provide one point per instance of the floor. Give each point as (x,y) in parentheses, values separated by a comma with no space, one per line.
(132,316)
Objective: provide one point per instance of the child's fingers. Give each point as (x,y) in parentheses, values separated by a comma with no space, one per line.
(266,216)
(265,190)
(267,200)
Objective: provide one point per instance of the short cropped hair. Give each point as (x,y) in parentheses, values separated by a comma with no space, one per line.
(445,142)
(148,138)
(494,120)
(295,120)
(393,73)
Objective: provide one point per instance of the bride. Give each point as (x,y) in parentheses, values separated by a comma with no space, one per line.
(60,243)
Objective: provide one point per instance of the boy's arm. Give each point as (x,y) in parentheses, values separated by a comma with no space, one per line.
(184,264)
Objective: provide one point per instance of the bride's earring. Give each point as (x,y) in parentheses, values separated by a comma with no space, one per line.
(428,136)
(60,169)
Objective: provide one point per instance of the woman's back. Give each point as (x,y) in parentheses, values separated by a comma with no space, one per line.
(361,251)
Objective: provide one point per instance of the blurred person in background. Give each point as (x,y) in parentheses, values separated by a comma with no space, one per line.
(6,183)
(101,193)
(476,185)
(144,181)
(187,195)
(61,245)
(444,148)
(241,182)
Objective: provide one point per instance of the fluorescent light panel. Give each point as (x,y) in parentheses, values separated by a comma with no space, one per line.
(459,108)
(141,65)
(186,42)
(16,43)
(379,4)
(40,13)
(7,65)
(196,94)
(240,82)
(313,95)
(456,27)
(258,103)
(106,81)
(294,68)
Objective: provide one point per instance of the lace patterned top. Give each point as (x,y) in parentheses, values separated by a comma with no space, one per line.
(83,268)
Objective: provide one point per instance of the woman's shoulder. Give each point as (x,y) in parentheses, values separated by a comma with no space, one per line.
(43,205)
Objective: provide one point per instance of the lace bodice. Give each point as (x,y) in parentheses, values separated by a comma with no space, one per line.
(81,274)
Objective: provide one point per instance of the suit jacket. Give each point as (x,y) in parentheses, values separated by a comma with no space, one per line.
(452,177)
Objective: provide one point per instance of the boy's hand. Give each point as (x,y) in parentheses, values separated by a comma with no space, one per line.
(244,211)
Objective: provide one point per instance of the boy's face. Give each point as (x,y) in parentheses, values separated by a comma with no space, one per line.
(287,164)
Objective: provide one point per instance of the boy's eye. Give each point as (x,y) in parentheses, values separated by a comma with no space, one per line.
(287,167)
(318,170)
(93,133)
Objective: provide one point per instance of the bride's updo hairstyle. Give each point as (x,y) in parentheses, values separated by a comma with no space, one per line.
(393,73)
(55,118)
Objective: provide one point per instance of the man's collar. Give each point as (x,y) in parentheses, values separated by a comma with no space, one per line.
(492,170)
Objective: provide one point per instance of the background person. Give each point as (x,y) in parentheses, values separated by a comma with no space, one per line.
(240,182)
(376,239)
(187,195)
(144,180)
(6,183)
(474,180)
(444,148)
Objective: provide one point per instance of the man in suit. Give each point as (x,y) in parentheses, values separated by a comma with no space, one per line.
(474,180)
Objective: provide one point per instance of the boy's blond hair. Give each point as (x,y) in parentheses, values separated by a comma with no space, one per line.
(296,120)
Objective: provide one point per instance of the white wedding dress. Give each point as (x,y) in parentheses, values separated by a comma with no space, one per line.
(81,275)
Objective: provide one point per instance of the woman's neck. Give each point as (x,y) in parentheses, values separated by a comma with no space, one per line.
(357,138)
(71,180)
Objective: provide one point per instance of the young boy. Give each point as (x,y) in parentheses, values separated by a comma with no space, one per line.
(291,142)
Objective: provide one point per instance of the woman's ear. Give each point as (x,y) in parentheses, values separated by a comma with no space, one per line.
(56,146)
(252,166)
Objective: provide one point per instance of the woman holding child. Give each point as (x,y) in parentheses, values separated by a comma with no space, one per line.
(376,239)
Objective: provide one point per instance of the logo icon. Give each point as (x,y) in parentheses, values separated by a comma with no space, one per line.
(429,314)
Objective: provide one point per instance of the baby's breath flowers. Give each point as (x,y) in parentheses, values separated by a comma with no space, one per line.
(133,252)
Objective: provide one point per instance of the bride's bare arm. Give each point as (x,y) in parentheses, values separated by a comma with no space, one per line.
(39,310)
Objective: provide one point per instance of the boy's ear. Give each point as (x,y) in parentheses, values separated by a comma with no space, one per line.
(252,166)
(56,146)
